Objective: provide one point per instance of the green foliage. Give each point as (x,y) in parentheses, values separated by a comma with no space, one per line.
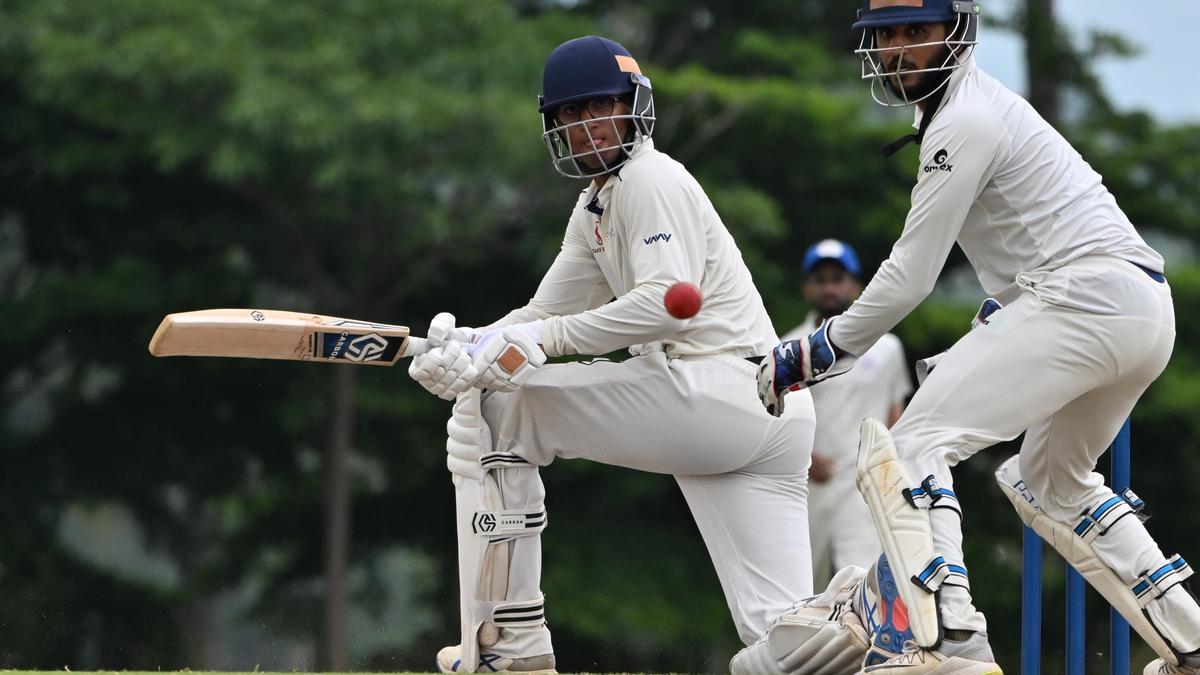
(382,159)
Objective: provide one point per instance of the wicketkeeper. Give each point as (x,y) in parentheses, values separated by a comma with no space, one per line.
(1087,325)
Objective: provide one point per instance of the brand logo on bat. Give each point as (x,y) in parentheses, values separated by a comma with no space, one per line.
(356,348)
(258,316)
(369,347)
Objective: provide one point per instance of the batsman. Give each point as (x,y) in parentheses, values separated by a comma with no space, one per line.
(1087,324)
(682,405)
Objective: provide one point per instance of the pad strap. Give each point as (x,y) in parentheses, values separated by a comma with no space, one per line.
(502,460)
(1097,522)
(508,523)
(1151,586)
(516,613)
(939,572)
(931,495)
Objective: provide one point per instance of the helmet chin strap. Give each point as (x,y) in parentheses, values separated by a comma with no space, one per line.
(931,106)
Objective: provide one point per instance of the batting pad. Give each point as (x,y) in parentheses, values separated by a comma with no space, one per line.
(903,529)
(500,514)
(1073,543)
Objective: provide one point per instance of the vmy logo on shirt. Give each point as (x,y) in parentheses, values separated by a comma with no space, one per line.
(661,236)
(939,162)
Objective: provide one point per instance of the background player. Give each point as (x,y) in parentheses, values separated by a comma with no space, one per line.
(1087,325)
(840,526)
(682,405)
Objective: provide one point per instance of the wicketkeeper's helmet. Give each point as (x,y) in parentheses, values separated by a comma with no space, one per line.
(961,17)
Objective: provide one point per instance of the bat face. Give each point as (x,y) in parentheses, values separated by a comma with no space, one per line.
(274,334)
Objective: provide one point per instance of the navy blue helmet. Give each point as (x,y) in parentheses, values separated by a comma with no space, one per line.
(593,88)
(962,18)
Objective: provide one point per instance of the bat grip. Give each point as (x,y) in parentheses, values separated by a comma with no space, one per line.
(415,346)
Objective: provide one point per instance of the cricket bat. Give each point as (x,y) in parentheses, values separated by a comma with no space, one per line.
(292,336)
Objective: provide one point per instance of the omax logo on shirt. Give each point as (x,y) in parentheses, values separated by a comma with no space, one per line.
(939,162)
(661,236)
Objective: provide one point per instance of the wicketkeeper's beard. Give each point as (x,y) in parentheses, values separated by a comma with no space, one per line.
(926,83)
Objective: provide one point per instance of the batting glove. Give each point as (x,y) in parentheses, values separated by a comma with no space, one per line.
(442,329)
(446,369)
(507,357)
(794,365)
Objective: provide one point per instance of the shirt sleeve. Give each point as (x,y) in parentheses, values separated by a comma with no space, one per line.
(959,155)
(899,382)
(661,228)
(574,283)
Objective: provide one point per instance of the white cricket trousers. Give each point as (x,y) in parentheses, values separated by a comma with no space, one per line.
(1065,363)
(743,472)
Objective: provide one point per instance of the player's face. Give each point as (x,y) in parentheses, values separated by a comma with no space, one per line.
(830,289)
(602,131)
(911,47)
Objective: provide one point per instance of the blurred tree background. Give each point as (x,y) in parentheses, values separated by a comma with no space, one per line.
(381,159)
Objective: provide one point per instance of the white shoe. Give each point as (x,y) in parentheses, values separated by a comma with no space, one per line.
(1160,667)
(449,661)
(972,656)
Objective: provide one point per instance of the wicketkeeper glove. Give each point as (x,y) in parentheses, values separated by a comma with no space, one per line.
(796,364)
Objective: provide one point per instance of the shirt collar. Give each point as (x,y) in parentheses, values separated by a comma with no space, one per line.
(602,197)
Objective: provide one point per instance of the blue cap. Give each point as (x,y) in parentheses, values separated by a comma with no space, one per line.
(587,68)
(831,249)
(876,13)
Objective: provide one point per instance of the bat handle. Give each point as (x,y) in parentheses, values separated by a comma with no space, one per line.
(415,346)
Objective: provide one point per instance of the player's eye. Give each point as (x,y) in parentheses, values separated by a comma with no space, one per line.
(600,107)
(569,113)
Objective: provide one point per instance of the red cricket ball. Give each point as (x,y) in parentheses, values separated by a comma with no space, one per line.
(682,300)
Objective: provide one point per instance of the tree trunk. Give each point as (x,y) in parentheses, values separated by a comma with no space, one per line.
(1043,59)
(337,518)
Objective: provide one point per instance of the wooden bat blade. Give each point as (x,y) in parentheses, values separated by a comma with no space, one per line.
(274,334)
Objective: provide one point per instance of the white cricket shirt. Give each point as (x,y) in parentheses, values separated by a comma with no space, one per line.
(650,226)
(1017,198)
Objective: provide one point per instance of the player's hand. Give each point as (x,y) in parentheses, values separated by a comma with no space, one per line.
(796,364)
(507,357)
(446,369)
(821,469)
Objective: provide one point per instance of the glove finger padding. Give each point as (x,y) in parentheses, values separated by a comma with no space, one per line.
(440,328)
(444,371)
(506,363)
